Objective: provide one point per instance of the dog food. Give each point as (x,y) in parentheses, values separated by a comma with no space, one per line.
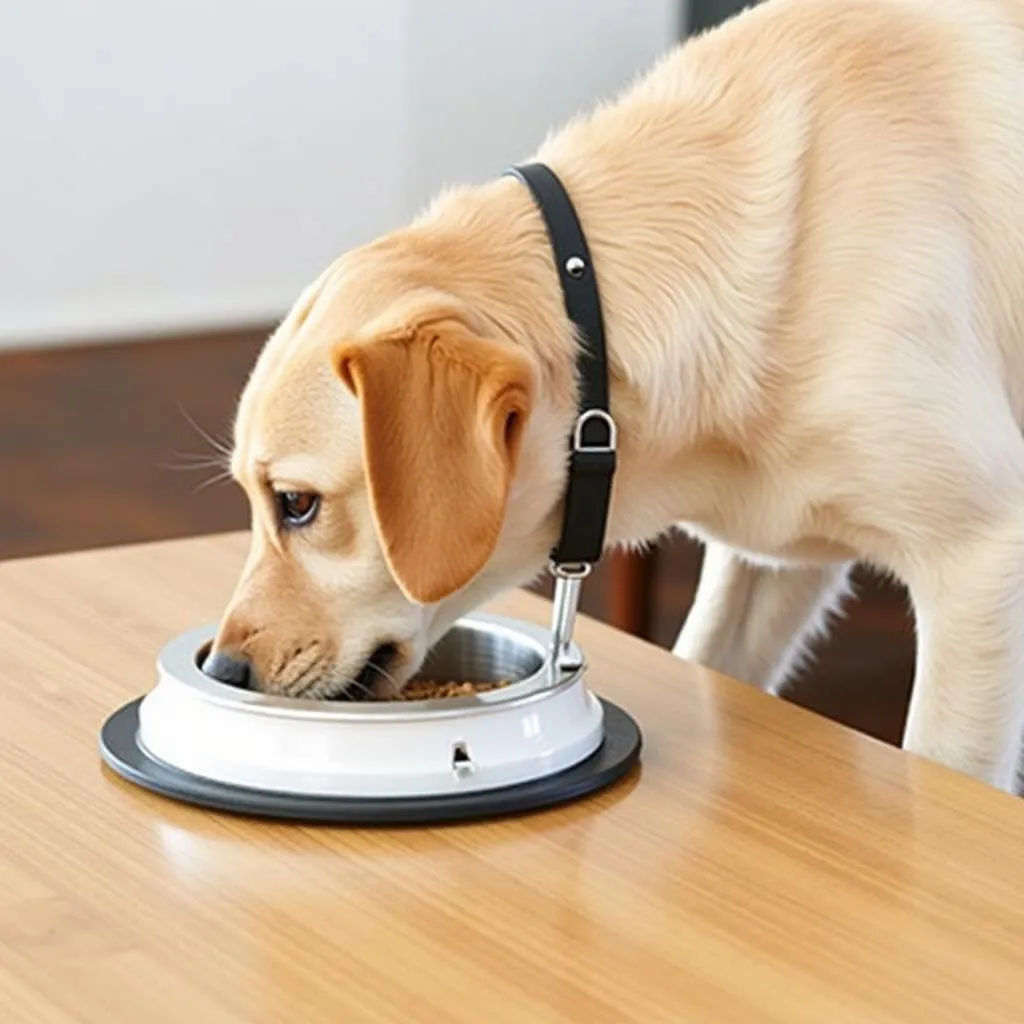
(424,689)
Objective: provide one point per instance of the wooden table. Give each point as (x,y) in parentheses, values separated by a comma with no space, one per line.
(765,864)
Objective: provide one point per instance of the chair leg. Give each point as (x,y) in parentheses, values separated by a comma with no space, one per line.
(631,588)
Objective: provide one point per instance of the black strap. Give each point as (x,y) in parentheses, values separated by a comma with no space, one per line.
(592,462)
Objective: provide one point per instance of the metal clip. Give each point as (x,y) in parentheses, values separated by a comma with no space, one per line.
(568,584)
(569,576)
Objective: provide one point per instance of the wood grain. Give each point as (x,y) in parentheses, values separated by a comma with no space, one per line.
(764,864)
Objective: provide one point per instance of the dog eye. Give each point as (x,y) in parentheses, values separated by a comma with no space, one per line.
(297,508)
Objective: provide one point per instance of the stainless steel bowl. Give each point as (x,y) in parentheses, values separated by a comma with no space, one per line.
(474,650)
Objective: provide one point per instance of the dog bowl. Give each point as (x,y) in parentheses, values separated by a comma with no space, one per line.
(540,739)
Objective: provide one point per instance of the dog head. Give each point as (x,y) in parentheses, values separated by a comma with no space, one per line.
(403,465)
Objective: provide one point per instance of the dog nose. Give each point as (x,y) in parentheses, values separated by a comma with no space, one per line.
(232,669)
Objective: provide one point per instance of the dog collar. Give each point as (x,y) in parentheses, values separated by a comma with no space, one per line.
(594,437)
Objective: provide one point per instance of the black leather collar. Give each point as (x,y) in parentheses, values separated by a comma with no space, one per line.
(594,441)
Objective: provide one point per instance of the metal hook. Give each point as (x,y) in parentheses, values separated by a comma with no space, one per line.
(568,584)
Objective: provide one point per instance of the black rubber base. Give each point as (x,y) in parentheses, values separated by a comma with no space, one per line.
(616,756)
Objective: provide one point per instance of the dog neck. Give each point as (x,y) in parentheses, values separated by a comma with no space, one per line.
(691,226)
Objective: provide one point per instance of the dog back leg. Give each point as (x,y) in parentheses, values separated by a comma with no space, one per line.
(967,704)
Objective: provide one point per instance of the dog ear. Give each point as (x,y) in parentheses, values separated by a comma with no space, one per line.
(443,414)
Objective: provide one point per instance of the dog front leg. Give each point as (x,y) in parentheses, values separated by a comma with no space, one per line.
(755,623)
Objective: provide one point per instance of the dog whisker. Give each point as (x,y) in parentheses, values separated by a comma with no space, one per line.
(393,685)
(195,463)
(315,689)
(219,478)
(352,688)
(320,687)
(356,691)
(198,459)
(219,446)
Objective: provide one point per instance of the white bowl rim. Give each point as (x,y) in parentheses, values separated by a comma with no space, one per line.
(177,661)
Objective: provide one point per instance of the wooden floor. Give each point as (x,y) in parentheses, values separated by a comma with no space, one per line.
(102,445)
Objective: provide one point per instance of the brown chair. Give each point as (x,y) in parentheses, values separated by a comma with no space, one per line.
(631,591)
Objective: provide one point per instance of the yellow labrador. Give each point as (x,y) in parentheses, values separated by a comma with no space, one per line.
(808,229)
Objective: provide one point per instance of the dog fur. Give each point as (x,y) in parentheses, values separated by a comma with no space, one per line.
(808,231)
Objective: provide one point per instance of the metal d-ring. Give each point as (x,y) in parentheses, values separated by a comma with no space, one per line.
(606,419)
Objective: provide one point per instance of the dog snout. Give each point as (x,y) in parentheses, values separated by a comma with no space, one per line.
(229,667)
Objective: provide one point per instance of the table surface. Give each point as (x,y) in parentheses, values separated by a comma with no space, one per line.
(763,864)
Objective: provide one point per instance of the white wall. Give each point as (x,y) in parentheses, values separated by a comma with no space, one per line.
(169,164)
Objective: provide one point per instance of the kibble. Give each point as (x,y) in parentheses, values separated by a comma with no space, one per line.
(426,689)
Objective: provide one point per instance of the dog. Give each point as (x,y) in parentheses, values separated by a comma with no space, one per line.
(808,229)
